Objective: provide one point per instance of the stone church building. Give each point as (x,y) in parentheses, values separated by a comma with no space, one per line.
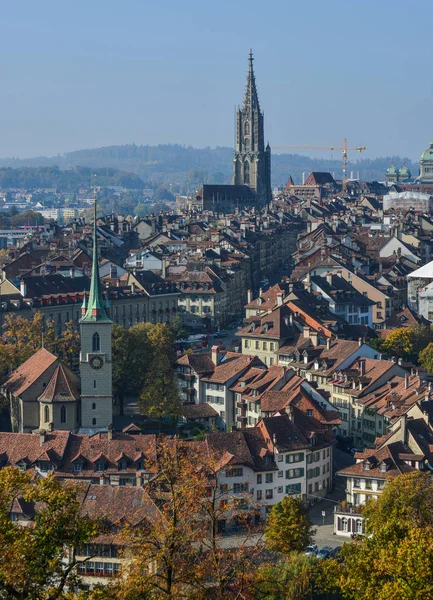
(44,394)
(251,161)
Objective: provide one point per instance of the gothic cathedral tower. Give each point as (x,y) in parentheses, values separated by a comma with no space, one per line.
(95,356)
(252,162)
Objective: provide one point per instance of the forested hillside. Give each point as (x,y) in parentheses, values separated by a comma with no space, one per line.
(183,167)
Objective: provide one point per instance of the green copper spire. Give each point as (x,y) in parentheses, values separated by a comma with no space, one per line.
(96,306)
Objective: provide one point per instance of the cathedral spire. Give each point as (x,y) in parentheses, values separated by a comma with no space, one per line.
(251,98)
(96,305)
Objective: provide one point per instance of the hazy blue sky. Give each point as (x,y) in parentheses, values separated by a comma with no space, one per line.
(87,73)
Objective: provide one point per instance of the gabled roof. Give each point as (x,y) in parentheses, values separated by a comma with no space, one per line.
(29,372)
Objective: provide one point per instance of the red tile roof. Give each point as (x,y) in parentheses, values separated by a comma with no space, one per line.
(64,386)
(29,372)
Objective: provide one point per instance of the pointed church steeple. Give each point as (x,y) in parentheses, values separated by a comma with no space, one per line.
(251,98)
(95,310)
(252,162)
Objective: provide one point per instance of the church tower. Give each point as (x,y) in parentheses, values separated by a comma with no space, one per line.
(252,162)
(95,356)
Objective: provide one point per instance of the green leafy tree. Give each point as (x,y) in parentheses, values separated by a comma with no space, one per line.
(37,562)
(132,357)
(425,358)
(290,579)
(421,336)
(288,527)
(395,560)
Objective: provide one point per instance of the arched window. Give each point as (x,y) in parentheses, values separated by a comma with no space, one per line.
(47,414)
(247,144)
(344,523)
(246,173)
(247,128)
(94,406)
(94,421)
(358,526)
(63,414)
(96,342)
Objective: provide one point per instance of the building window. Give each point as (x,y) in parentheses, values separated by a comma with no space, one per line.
(269,477)
(269,494)
(99,466)
(77,467)
(46,414)
(246,173)
(63,414)
(259,479)
(93,421)
(96,343)
(94,406)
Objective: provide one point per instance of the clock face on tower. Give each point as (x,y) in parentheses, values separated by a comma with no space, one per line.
(96,362)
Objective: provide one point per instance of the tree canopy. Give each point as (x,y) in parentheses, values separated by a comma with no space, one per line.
(37,562)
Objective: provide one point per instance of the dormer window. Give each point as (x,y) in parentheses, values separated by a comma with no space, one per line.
(45,466)
(139,465)
(99,466)
(366,466)
(383,468)
(22,466)
(78,465)
(122,464)
(309,412)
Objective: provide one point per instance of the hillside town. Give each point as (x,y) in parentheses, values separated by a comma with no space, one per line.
(292,352)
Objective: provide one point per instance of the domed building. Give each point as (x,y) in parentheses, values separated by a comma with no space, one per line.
(426,166)
(404,174)
(392,174)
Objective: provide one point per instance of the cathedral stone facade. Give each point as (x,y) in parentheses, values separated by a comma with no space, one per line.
(251,162)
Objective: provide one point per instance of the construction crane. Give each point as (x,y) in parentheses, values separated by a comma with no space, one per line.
(344,150)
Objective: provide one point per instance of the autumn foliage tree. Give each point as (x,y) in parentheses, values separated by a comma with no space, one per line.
(288,527)
(395,560)
(37,562)
(22,337)
(179,554)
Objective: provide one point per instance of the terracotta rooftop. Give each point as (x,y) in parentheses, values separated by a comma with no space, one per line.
(63,386)
(29,372)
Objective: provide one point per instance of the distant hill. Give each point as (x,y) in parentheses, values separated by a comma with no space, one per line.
(65,179)
(189,167)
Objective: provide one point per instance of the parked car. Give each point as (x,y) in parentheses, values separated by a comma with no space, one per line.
(221,334)
(311,550)
(325,552)
(335,552)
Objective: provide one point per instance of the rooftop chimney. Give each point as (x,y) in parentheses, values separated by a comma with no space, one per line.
(215,355)
(359,341)
(362,367)
(274,439)
(110,432)
(249,296)
(328,343)
(314,336)
(406,382)
(42,436)
(23,288)
(306,332)
(329,278)
(72,272)
(164,268)
(279,299)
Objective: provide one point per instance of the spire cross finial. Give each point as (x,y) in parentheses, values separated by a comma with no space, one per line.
(251,58)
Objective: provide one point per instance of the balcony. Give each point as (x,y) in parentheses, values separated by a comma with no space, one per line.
(242,420)
(241,404)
